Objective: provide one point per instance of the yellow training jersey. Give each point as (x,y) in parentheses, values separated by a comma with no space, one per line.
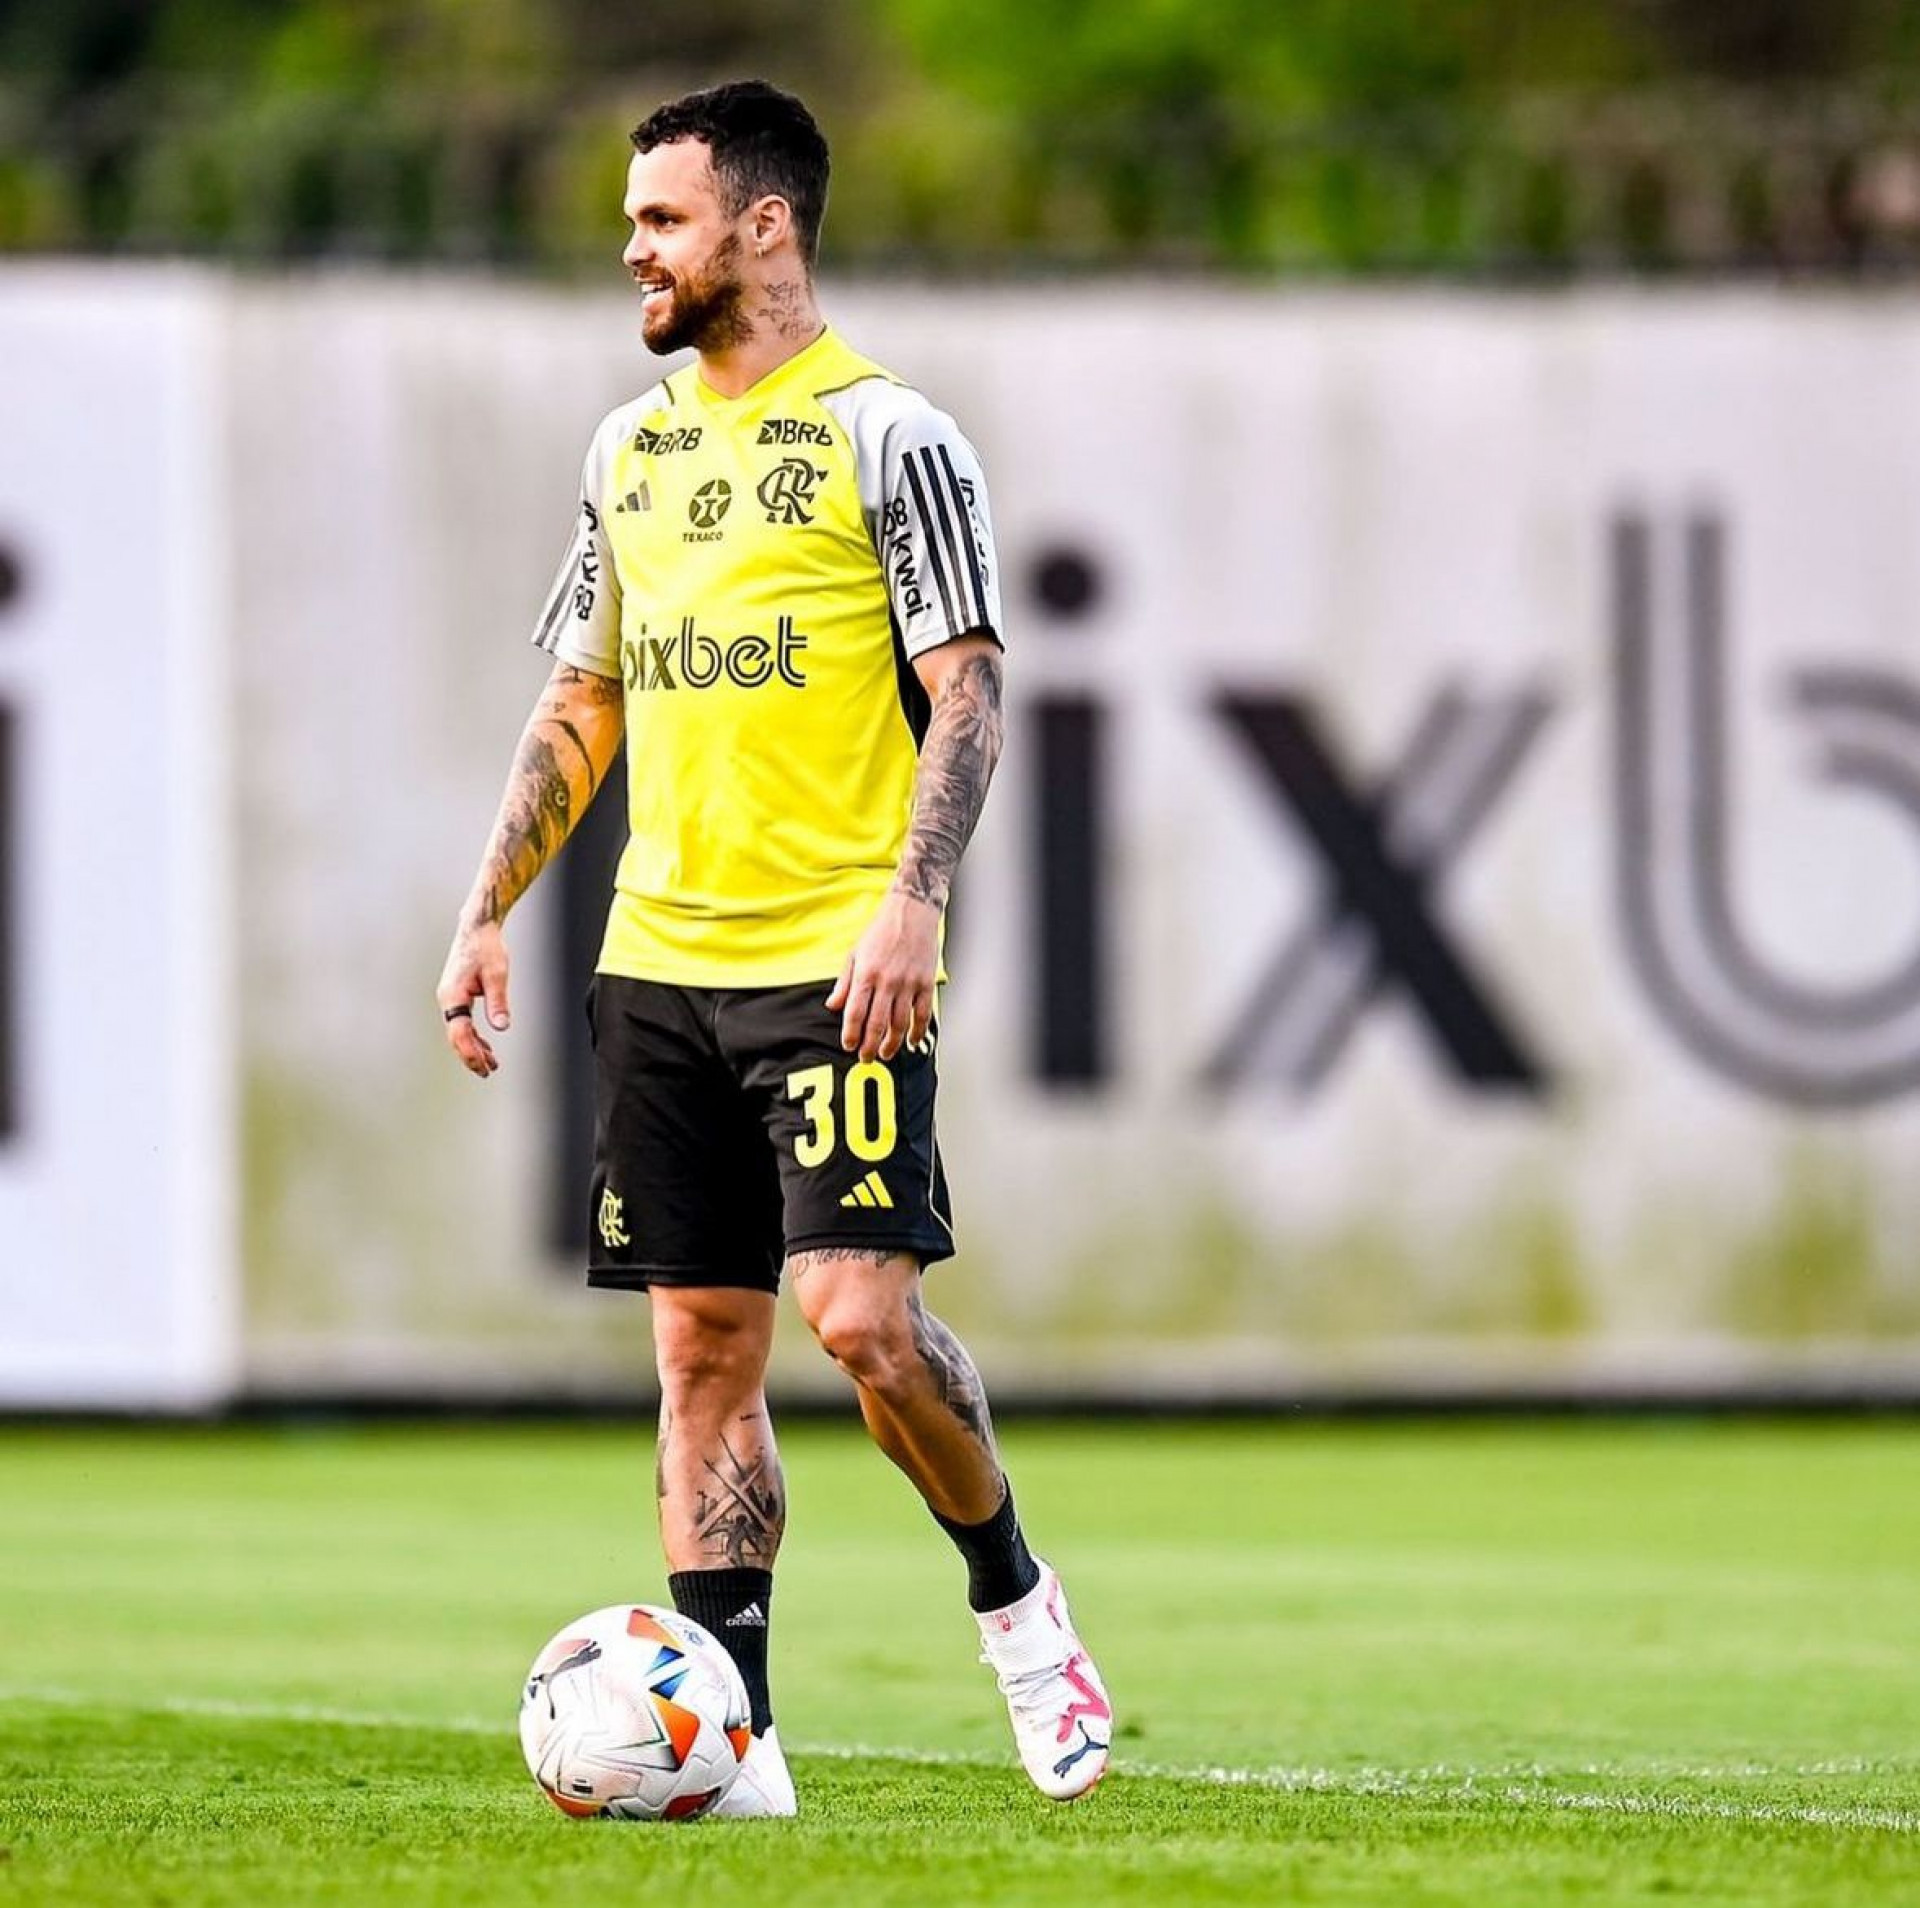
(760,572)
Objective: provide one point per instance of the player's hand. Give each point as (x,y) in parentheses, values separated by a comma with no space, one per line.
(885,993)
(476,970)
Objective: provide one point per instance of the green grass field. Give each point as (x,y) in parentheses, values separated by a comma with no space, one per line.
(1411,1663)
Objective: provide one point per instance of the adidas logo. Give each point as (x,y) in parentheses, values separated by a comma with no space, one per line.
(634,501)
(871,1191)
(751,1618)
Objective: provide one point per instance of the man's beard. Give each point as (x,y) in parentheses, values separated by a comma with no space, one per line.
(705,311)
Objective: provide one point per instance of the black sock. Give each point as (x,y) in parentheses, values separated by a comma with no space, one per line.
(1000,1567)
(736,1606)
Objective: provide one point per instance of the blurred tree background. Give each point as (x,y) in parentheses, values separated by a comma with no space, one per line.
(1523,138)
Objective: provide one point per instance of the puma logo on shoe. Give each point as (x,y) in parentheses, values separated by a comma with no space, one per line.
(1087,1747)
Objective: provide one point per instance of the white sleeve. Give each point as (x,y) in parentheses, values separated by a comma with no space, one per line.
(925,498)
(580,621)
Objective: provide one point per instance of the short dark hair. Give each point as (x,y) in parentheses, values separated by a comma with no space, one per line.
(762,140)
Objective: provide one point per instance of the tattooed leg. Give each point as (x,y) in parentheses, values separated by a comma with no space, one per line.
(954,1373)
(740,1505)
(723,1500)
(919,1392)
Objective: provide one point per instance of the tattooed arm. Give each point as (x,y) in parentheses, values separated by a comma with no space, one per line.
(565,751)
(885,991)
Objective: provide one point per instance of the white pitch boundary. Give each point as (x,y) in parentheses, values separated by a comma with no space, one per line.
(1525,1785)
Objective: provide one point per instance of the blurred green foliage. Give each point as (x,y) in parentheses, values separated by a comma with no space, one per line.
(1254,135)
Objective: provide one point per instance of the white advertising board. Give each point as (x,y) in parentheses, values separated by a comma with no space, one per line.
(118,1283)
(1448,918)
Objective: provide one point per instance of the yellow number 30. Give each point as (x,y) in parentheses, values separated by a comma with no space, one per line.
(871,1122)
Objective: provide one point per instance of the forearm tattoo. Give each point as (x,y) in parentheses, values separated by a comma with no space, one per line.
(552,780)
(954,1373)
(740,1512)
(956,763)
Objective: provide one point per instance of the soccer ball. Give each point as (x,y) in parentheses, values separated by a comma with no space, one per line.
(634,1712)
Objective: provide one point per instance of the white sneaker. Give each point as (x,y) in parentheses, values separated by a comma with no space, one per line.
(1062,1721)
(763,1786)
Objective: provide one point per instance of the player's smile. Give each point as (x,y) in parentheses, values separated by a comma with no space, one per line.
(694,306)
(656,299)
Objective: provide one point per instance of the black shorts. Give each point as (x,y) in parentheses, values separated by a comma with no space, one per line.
(731,1128)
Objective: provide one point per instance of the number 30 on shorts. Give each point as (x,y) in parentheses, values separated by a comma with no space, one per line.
(867,1112)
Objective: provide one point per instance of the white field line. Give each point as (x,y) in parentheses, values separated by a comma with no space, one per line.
(1527,1785)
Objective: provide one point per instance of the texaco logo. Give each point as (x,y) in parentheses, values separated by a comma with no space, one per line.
(710,503)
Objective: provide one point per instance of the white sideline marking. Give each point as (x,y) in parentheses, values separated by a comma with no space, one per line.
(1435,1780)
(1900,1821)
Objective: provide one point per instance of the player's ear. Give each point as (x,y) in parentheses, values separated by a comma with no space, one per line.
(772,222)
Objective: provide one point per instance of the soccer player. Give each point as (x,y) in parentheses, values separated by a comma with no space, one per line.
(782,591)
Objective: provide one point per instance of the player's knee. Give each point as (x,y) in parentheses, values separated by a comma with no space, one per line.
(693,1367)
(867,1338)
(699,1349)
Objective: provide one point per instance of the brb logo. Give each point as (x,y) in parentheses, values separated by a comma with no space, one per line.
(1385,845)
(794,430)
(682,437)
